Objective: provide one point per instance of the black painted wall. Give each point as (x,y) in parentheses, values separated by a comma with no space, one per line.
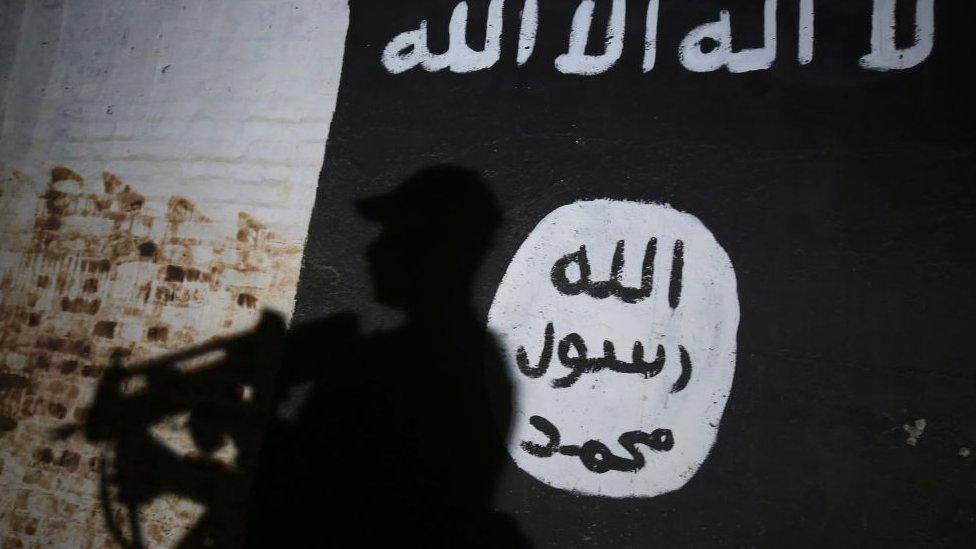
(843,196)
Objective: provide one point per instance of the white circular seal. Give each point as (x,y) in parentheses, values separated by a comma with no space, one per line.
(617,321)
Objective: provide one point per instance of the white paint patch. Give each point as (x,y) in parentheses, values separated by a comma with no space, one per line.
(885,55)
(708,47)
(575,61)
(408,49)
(650,35)
(530,25)
(804,53)
(666,409)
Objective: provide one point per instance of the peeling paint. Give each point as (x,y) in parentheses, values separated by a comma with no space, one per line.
(914,431)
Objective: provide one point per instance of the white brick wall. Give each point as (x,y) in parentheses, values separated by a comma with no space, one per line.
(215,112)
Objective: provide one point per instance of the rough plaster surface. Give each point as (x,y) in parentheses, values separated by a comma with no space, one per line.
(158,164)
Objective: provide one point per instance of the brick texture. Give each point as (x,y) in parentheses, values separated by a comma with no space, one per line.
(158,164)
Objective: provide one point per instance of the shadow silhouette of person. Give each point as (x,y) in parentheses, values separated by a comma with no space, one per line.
(398,435)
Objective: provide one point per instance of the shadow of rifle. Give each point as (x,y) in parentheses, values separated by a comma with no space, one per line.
(225,387)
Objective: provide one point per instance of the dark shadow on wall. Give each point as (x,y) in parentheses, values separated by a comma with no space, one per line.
(223,389)
(342,438)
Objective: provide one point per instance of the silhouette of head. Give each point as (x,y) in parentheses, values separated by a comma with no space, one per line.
(436,227)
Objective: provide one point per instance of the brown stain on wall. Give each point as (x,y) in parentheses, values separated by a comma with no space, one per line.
(80,305)
(247,300)
(157,333)
(104,273)
(105,328)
